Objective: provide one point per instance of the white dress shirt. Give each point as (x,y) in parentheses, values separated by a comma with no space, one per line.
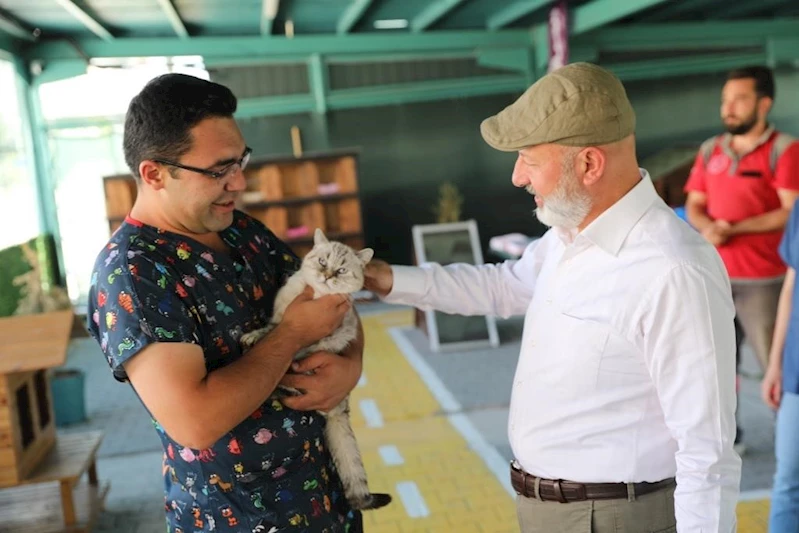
(627,363)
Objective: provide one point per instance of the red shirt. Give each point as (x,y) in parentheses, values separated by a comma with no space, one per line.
(742,186)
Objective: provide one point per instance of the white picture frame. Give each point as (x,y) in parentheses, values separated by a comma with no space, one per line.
(454,242)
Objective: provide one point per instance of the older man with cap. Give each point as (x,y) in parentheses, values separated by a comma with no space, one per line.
(622,413)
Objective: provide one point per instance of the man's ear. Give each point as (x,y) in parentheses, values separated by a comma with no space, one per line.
(591,163)
(152,174)
(764,105)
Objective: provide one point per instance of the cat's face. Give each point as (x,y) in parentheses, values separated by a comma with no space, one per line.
(333,267)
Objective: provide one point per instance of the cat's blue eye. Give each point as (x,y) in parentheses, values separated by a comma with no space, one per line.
(341,271)
(322,262)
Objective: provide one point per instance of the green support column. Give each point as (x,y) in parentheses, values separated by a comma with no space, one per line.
(45,185)
(540,37)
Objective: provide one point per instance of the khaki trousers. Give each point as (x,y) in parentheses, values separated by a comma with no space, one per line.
(756,310)
(650,513)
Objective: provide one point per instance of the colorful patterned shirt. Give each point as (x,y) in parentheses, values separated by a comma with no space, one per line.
(270,473)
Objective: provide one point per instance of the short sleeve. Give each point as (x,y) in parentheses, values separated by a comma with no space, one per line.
(134,302)
(789,248)
(786,175)
(696,178)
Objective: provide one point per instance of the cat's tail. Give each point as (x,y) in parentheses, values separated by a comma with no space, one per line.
(373,500)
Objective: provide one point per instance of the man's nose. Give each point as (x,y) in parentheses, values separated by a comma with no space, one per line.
(520,177)
(237,181)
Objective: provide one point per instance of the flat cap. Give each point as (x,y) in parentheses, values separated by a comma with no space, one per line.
(580,104)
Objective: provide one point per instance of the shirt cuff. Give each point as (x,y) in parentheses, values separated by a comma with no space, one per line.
(409,282)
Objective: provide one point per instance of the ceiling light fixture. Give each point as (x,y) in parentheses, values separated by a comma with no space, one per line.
(391,24)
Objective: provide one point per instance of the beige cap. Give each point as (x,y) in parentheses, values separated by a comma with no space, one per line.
(580,104)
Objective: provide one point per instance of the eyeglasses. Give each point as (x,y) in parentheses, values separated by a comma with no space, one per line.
(216,174)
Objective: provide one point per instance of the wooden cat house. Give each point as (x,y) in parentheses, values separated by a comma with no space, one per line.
(29,346)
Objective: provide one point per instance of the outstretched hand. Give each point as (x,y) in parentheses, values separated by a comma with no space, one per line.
(378,277)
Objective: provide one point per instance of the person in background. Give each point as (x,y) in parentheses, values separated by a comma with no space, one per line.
(622,413)
(780,390)
(173,291)
(739,194)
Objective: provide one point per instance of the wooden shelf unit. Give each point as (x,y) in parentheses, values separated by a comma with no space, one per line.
(292,196)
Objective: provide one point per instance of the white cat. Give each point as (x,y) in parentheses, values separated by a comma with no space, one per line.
(332,268)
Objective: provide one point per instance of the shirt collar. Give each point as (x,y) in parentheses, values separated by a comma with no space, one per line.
(726,141)
(609,230)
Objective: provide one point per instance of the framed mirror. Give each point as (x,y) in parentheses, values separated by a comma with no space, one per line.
(455,242)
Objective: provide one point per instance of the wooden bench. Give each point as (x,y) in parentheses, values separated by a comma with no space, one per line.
(53,499)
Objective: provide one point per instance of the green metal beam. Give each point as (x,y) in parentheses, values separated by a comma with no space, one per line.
(352,15)
(672,10)
(9,45)
(519,59)
(317,78)
(174,18)
(269,9)
(432,13)
(424,91)
(782,50)
(598,13)
(514,12)
(690,35)
(59,70)
(744,8)
(540,37)
(274,47)
(403,56)
(15,29)
(264,106)
(85,19)
(684,66)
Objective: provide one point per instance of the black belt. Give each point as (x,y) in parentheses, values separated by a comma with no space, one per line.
(558,490)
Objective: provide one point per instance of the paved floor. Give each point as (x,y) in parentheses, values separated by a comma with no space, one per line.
(431,428)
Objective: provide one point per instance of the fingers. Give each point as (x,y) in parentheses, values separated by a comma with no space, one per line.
(310,363)
(300,403)
(296,381)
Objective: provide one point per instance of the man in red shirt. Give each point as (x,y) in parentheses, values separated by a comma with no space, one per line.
(740,192)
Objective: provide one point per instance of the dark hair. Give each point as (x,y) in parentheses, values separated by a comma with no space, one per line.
(763,76)
(160,117)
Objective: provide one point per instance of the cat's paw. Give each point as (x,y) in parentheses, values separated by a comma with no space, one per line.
(375,500)
(248,340)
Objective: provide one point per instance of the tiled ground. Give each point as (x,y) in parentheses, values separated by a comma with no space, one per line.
(438,449)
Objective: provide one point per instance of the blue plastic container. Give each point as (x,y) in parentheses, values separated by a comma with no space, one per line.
(69,398)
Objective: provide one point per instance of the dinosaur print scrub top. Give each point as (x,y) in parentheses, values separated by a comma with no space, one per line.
(270,473)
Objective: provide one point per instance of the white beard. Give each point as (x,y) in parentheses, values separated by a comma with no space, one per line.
(567,206)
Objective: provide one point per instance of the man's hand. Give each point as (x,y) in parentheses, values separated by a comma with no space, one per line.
(309,320)
(378,277)
(718,232)
(771,387)
(331,378)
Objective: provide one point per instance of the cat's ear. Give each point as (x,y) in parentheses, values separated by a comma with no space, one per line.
(319,237)
(366,255)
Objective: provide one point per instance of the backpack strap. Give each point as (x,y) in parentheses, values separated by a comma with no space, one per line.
(781,143)
(707,148)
